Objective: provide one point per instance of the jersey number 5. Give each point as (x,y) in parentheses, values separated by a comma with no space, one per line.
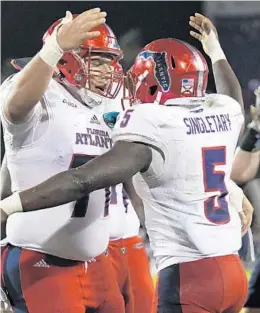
(216,207)
(126,118)
(81,205)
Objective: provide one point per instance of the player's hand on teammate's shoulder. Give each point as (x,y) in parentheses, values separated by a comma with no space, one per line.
(246,216)
(73,32)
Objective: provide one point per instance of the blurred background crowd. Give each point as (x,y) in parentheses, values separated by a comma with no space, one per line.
(137,23)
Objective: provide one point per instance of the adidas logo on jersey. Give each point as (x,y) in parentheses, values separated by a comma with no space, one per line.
(94,120)
(41,263)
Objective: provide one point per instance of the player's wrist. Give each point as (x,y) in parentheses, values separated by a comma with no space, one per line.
(249,139)
(213,48)
(217,55)
(51,51)
(12,204)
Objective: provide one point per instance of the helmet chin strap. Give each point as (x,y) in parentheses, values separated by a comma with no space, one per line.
(158,97)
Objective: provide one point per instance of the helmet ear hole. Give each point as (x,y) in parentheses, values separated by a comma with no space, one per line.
(173,62)
(153,89)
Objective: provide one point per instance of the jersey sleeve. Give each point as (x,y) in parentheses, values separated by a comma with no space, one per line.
(5,90)
(236,111)
(233,107)
(237,116)
(138,124)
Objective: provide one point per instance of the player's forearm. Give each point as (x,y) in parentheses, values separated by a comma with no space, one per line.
(245,166)
(226,81)
(29,88)
(68,186)
(225,78)
(62,188)
(119,164)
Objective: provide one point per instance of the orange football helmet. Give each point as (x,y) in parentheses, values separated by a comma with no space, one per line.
(74,66)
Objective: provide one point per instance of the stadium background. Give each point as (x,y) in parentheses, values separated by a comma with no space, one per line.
(136,23)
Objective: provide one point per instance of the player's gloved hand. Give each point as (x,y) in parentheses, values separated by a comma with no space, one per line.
(207,35)
(246,215)
(255,112)
(73,32)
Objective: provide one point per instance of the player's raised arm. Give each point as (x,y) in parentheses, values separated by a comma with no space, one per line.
(33,80)
(123,161)
(225,78)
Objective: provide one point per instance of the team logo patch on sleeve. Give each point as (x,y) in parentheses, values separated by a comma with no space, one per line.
(161,67)
(110,118)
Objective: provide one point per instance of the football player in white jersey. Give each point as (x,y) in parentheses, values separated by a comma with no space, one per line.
(179,143)
(50,126)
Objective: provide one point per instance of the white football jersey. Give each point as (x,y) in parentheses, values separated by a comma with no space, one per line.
(60,134)
(122,219)
(187,208)
(117,212)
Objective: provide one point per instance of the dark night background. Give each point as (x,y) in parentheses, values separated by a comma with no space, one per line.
(24,22)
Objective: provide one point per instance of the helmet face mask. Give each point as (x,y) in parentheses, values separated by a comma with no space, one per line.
(94,71)
(167,69)
(129,90)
